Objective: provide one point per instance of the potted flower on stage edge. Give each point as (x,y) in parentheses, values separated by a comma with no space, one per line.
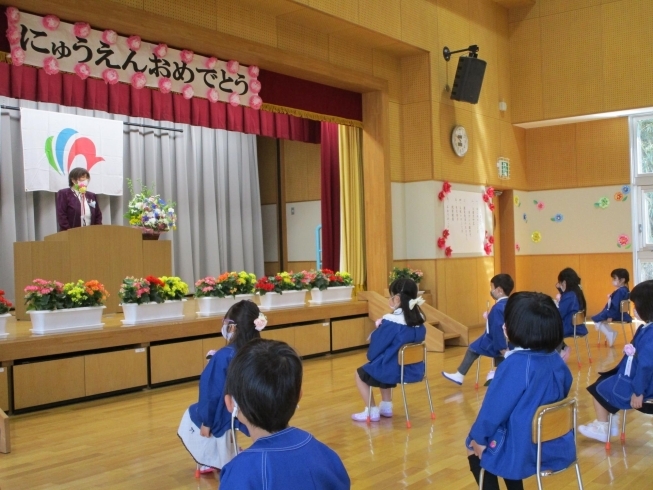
(57,307)
(152,299)
(330,287)
(215,295)
(5,305)
(283,290)
(401,272)
(148,212)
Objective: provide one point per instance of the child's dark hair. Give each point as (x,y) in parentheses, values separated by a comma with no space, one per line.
(265,379)
(621,274)
(505,282)
(572,283)
(243,315)
(406,289)
(76,174)
(642,298)
(533,321)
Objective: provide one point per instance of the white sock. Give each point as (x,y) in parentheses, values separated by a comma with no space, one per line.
(385,405)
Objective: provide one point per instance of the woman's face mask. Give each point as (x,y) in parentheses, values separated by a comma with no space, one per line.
(228,327)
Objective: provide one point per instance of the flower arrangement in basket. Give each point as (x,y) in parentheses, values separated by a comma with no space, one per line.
(148,212)
(151,289)
(227,284)
(44,295)
(283,281)
(406,272)
(82,294)
(5,304)
(325,278)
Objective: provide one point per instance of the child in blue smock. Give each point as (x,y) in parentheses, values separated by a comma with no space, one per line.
(404,326)
(263,388)
(612,310)
(631,381)
(571,301)
(205,428)
(532,374)
(493,342)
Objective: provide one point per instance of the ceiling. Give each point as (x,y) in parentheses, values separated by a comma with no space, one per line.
(515,3)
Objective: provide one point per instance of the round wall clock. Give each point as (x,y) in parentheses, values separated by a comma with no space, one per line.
(459,141)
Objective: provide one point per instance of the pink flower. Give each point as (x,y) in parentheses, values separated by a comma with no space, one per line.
(441,195)
(83,70)
(134,43)
(186,56)
(165,85)
(138,80)
(213,95)
(487,248)
(82,29)
(160,50)
(623,240)
(254,85)
(109,37)
(490,239)
(486,198)
(187,91)
(17,56)
(490,191)
(540,206)
(50,22)
(51,65)
(13,35)
(110,76)
(491,206)
(233,66)
(446,187)
(448,251)
(234,99)
(13,15)
(211,62)
(517,247)
(445,233)
(253,71)
(31,289)
(629,350)
(255,102)
(442,242)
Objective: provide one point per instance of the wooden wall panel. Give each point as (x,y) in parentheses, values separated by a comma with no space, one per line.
(313,339)
(179,360)
(286,335)
(268,178)
(382,16)
(526,71)
(40,383)
(603,152)
(157,258)
(4,389)
(302,40)
(484,272)
(301,171)
(114,371)
(551,157)
(197,12)
(352,332)
(462,290)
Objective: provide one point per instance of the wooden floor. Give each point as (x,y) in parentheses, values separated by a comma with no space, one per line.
(130,441)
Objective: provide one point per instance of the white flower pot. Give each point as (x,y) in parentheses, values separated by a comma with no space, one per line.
(331,295)
(3,324)
(66,320)
(218,306)
(152,312)
(289,299)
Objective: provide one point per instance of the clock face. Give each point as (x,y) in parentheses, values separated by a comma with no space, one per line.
(459,141)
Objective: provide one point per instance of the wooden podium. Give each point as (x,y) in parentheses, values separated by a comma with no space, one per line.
(106,253)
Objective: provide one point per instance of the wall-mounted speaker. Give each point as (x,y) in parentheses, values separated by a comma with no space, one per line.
(468,80)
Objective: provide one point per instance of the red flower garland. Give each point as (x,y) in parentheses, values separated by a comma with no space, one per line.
(446,189)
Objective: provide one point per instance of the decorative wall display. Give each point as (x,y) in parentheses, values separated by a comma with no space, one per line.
(56,46)
(539,205)
(536,237)
(464,217)
(623,241)
(446,189)
(557,218)
(602,203)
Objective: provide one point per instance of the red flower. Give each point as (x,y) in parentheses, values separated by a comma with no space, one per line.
(154,281)
(486,198)
(490,239)
(490,192)
(488,248)
(491,206)
(441,196)
(441,242)
(446,187)
(445,233)
(448,251)
(327,272)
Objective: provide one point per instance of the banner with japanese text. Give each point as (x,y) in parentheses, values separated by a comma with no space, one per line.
(48,43)
(55,143)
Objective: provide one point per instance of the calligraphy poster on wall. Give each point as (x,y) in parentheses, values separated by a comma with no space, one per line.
(465,218)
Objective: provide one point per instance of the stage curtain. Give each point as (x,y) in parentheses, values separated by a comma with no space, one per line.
(330,196)
(212,175)
(352,204)
(30,83)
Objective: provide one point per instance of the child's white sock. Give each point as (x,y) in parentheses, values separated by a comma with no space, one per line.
(385,409)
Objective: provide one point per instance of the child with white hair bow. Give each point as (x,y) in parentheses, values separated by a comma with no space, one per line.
(404,326)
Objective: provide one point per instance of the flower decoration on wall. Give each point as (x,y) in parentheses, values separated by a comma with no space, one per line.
(625,189)
(448,251)
(618,196)
(211,62)
(13,35)
(165,85)
(51,22)
(82,70)
(82,29)
(602,203)
(446,189)
(160,50)
(525,218)
(134,43)
(109,37)
(623,241)
(13,15)
(138,80)
(110,76)
(442,241)
(488,243)
(186,56)
(517,247)
(517,201)
(539,205)
(536,237)
(17,56)
(51,65)
(488,195)
(622,194)
(233,66)
(557,218)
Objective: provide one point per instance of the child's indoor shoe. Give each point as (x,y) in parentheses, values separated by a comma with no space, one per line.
(455,377)
(598,430)
(385,409)
(205,470)
(362,416)
(612,336)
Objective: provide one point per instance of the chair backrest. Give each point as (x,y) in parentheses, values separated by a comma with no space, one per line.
(411,354)
(555,420)
(625,306)
(579,318)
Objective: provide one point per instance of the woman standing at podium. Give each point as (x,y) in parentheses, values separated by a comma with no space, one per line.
(75,206)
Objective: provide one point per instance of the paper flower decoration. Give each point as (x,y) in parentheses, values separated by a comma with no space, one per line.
(517,247)
(82,29)
(138,80)
(186,56)
(253,71)
(525,218)
(51,65)
(446,189)
(82,70)
(134,43)
(255,102)
(536,237)
(539,205)
(623,241)
(165,85)
(188,91)
(486,198)
(233,66)
(445,233)
(625,189)
(13,36)
(211,62)
(442,242)
(213,95)
(254,86)
(517,201)
(234,99)
(487,248)
(629,349)
(618,196)
(490,240)
(490,192)
(448,251)
(110,76)
(557,218)
(17,56)
(51,22)
(603,203)
(13,15)
(160,50)
(491,206)
(109,37)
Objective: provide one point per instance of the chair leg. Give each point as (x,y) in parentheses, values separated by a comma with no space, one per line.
(632,332)
(369,408)
(607,438)
(478,371)
(623,428)
(403,392)
(578,477)
(577,353)
(428,393)
(623,329)
(197,471)
(589,354)
(480,479)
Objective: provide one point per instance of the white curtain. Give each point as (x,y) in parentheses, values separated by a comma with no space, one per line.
(211,174)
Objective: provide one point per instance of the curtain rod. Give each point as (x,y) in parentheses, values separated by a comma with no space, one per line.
(14,108)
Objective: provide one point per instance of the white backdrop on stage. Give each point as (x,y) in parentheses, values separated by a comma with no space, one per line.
(211,174)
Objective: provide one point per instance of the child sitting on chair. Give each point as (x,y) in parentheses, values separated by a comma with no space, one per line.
(631,381)
(263,388)
(493,342)
(532,375)
(404,326)
(571,301)
(205,428)
(612,310)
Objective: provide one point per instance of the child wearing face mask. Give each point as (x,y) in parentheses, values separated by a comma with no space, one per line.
(493,341)
(612,310)
(205,428)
